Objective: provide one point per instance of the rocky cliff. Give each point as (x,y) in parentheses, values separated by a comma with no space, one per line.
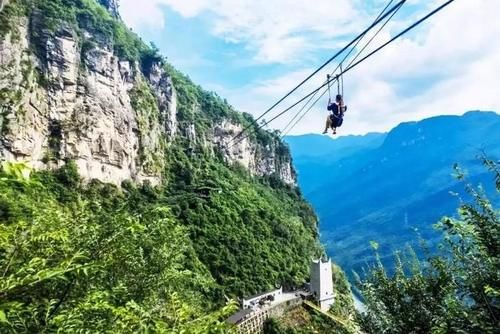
(2,4)
(78,85)
(111,6)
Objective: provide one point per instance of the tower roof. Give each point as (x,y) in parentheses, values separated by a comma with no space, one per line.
(321,260)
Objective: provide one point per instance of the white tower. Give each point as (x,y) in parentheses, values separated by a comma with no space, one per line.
(322,283)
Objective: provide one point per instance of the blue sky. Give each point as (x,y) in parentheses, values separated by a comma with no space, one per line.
(253,51)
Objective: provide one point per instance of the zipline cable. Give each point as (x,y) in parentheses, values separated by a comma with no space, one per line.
(254,122)
(287,131)
(342,80)
(353,48)
(329,93)
(425,18)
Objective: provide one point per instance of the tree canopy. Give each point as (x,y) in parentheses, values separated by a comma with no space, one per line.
(456,291)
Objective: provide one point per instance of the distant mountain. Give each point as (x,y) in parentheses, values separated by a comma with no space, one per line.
(389,187)
(313,145)
(314,154)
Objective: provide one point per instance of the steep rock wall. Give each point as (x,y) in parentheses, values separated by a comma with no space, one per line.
(65,96)
(261,160)
(2,4)
(65,104)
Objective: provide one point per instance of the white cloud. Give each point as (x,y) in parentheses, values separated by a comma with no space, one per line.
(277,31)
(141,13)
(447,66)
(455,63)
(458,61)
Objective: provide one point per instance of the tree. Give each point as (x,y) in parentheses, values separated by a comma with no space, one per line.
(91,264)
(454,292)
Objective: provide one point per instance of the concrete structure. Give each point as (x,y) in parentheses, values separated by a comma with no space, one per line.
(240,316)
(322,283)
(251,320)
(255,310)
(260,299)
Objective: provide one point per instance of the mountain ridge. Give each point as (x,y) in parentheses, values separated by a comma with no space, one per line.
(412,170)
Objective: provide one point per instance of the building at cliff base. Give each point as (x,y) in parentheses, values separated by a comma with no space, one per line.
(255,310)
(264,298)
(322,283)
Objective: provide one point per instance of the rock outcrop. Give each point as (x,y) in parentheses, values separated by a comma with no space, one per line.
(2,4)
(111,6)
(81,111)
(260,160)
(64,96)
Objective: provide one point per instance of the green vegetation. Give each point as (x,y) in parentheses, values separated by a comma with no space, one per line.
(303,321)
(251,236)
(344,303)
(105,259)
(55,137)
(4,123)
(108,260)
(9,101)
(148,120)
(75,258)
(10,98)
(88,15)
(79,16)
(8,16)
(215,229)
(456,292)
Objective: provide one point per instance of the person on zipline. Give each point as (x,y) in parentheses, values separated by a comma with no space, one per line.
(336,117)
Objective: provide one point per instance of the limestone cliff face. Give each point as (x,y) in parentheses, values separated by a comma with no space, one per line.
(81,110)
(262,160)
(3,3)
(63,97)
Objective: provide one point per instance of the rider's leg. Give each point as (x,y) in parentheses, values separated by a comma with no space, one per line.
(328,124)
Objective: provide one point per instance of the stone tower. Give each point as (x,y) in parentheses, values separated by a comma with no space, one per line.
(322,283)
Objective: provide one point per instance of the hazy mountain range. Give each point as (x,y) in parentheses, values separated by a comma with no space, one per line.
(392,187)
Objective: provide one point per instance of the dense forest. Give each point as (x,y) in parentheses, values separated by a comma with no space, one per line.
(103,258)
(453,291)
(423,150)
